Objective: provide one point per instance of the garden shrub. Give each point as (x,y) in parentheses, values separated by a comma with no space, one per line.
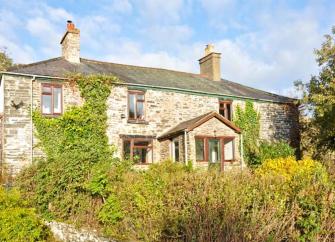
(289,168)
(18,222)
(268,150)
(171,203)
(307,187)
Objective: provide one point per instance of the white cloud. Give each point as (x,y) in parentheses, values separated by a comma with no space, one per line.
(160,11)
(270,46)
(121,6)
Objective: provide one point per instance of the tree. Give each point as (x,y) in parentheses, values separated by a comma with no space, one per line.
(5,61)
(319,102)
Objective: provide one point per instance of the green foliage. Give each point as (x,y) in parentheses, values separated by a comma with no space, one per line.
(256,151)
(248,121)
(284,200)
(5,61)
(308,187)
(274,150)
(74,144)
(319,102)
(18,222)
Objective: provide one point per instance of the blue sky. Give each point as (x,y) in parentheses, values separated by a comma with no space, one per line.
(264,44)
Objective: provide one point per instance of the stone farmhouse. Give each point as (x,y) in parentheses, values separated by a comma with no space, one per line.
(153,114)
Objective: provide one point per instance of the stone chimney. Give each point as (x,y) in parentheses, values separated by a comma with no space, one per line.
(71,43)
(210,64)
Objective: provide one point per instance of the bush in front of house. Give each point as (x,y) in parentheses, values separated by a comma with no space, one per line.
(284,199)
(272,150)
(18,222)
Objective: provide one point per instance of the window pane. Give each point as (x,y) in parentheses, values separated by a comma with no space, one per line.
(132,105)
(199,149)
(46,89)
(141,143)
(140,110)
(140,155)
(149,155)
(221,111)
(229,149)
(176,150)
(140,97)
(228,108)
(214,150)
(57,100)
(126,149)
(46,104)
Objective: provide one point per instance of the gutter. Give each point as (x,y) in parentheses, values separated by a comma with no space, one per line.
(33,75)
(186,150)
(203,93)
(241,151)
(2,124)
(163,88)
(31,117)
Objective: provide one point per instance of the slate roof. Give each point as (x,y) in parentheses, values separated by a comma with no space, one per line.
(59,67)
(191,124)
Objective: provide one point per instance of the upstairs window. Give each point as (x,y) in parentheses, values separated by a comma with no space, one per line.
(51,99)
(226,109)
(136,105)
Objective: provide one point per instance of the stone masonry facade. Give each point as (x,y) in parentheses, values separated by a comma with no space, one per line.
(163,110)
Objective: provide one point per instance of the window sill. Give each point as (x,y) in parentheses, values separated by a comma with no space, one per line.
(51,115)
(137,121)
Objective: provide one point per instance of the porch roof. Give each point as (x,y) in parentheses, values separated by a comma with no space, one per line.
(191,124)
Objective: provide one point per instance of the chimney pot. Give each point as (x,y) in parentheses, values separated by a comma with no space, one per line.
(70,25)
(210,64)
(209,49)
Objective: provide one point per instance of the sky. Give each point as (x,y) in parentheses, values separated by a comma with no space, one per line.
(264,44)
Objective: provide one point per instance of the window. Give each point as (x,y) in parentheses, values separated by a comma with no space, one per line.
(200,149)
(51,99)
(138,150)
(228,149)
(214,150)
(176,150)
(225,109)
(136,105)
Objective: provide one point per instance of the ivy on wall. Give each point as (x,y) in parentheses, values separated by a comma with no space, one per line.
(249,121)
(73,143)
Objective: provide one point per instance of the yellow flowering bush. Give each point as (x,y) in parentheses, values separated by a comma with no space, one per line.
(290,168)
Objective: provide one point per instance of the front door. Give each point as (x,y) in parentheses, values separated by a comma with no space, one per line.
(214,150)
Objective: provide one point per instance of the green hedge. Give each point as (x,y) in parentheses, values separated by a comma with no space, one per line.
(18,222)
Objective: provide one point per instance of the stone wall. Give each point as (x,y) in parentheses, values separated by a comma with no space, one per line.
(163,110)
(17,136)
(68,233)
(277,121)
(19,141)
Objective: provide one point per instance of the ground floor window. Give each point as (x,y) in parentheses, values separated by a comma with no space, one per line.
(214,149)
(175,150)
(138,150)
